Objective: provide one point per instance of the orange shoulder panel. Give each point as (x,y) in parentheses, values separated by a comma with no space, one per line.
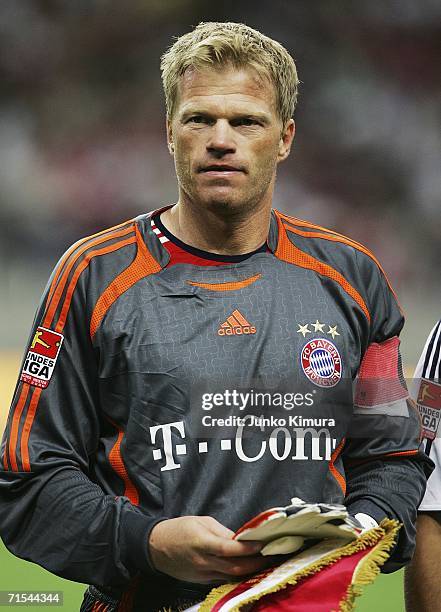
(55,298)
(288,252)
(332,236)
(143,265)
(77,245)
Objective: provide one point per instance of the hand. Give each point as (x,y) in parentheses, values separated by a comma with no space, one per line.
(200,549)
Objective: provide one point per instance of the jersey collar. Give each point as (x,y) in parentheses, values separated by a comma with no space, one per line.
(161,254)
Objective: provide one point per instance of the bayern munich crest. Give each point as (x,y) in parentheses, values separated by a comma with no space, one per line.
(321,362)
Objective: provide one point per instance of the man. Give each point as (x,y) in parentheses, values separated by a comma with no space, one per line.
(120,466)
(422,578)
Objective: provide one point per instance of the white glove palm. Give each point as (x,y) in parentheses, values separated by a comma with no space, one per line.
(284,530)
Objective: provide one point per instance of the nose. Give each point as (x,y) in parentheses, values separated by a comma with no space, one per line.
(221,140)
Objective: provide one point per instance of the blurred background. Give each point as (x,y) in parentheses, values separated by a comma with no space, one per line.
(82,139)
(82,147)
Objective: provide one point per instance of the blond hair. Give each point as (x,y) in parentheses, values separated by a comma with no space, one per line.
(217,43)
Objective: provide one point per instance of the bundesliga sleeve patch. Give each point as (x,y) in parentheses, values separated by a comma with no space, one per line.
(429,407)
(41,358)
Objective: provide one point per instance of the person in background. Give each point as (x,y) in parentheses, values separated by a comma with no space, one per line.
(422,576)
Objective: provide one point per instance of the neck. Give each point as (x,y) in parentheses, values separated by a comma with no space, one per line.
(224,233)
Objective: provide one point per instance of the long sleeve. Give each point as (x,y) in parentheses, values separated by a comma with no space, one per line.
(51,510)
(385,465)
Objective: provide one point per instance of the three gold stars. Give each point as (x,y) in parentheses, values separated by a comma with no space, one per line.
(318,327)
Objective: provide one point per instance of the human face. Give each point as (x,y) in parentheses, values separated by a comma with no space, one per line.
(227,138)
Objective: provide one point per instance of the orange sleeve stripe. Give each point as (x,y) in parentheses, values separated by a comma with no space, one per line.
(56,296)
(59,328)
(24,448)
(408,453)
(328,232)
(143,265)
(308,224)
(333,237)
(74,247)
(288,252)
(226,286)
(117,463)
(15,425)
(80,268)
(302,223)
(338,477)
(5,458)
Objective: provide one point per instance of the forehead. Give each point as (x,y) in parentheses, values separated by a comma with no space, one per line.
(214,86)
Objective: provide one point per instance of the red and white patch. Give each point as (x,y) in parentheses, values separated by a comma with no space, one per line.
(41,358)
(379,377)
(321,362)
(429,407)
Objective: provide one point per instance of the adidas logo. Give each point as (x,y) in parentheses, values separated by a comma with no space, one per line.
(236,325)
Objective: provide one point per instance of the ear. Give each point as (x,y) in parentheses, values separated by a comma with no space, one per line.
(170,143)
(286,139)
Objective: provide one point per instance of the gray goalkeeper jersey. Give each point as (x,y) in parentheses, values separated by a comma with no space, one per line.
(151,391)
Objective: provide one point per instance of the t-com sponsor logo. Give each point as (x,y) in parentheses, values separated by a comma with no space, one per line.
(298,444)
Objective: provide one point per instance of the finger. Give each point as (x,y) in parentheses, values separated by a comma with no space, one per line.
(217,528)
(225,572)
(238,566)
(217,578)
(222,547)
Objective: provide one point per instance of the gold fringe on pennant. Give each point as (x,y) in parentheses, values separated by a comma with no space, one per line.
(383,536)
(216,594)
(369,567)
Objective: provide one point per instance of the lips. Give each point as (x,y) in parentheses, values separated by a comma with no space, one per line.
(221,168)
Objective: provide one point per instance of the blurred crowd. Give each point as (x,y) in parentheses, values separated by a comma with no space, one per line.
(82,139)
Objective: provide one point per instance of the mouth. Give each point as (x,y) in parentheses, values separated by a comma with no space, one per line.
(220,169)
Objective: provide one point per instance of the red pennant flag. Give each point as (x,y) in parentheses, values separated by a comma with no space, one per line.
(327,576)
